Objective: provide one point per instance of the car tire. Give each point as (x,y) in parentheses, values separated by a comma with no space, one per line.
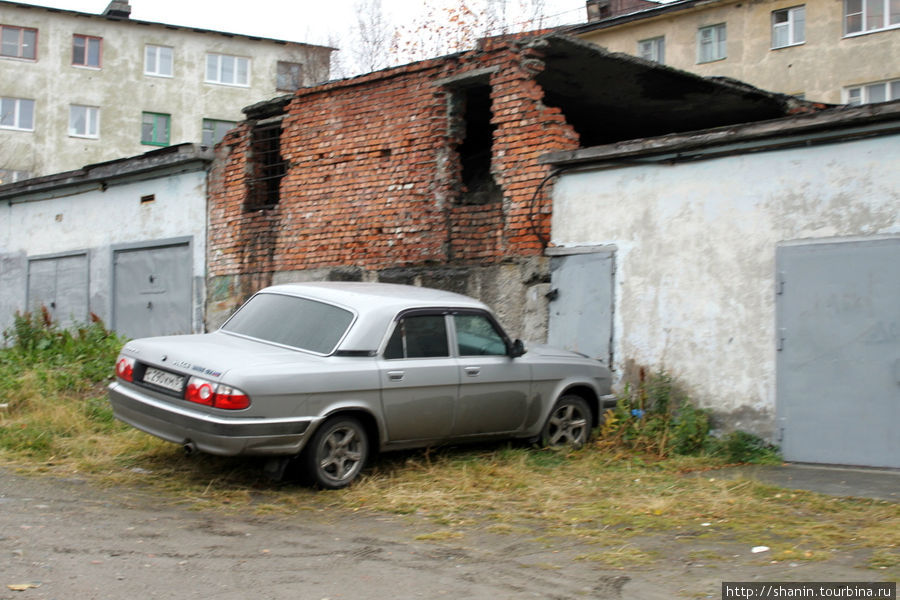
(337,453)
(569,423)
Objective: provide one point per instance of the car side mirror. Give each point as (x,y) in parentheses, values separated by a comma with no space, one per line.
(517,349)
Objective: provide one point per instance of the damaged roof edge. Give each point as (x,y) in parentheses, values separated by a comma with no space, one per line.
(267,109)
(180,155)
(562,40)
(843,122)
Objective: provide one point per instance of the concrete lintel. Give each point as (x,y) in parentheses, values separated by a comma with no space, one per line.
(473,76)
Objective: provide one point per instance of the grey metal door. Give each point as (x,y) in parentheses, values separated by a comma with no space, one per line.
(153,290)
(838,352)
(581,303)
(61,285)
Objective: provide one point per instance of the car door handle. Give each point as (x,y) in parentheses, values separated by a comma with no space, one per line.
(473,371)
(395,375)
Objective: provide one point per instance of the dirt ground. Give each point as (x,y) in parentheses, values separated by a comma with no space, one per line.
(69,539)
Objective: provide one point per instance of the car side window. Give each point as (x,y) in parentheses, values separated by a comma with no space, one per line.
(476,335)
(421,336)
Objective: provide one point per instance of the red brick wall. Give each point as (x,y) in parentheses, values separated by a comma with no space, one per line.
(372,177)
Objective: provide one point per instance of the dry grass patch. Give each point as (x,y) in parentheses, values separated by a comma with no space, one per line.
(56,420)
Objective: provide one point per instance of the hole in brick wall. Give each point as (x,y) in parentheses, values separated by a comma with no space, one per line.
(268,167)
(148,198)
(474,111)
(385,152)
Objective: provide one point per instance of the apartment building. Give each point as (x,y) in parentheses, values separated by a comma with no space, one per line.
(834,51)
(79,88)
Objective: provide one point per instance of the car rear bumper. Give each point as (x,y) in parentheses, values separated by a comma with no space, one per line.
(205,432)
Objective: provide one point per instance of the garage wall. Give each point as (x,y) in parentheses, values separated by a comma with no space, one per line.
(696,243)
(91,220)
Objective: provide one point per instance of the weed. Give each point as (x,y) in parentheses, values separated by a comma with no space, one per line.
(51,381)
(744,447)
(657,417)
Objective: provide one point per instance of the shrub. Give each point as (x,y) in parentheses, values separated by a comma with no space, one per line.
(81,355)
(658,417)
(50,383)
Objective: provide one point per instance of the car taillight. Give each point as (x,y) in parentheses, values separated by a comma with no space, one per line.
(216,395)
(200,391)
(125,368)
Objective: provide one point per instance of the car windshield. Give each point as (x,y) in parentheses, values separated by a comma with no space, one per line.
(291,321)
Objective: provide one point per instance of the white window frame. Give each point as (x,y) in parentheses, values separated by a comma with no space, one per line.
(862,94)
(17,104)
(863,13)
(216,69)
(718,43)
(91,121)
(794,28)
(653,49)
(154,59)
(22,45)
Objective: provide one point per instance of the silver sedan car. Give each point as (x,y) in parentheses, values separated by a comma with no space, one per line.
(328,373)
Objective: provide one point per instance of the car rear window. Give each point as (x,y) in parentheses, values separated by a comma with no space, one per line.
(291,321)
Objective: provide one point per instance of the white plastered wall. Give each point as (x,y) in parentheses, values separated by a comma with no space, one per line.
(696,243)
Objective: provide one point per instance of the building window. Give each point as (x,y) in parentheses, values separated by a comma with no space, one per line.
(155,129)
(84,121)
(290,76)
(18,42)
(17,113)
(883,91)
(158,61)
(653,49)
(86,51)
(227,70)
(861,16)
(267,165)
(10,176)
(711,43)
(788,27)
(214,131)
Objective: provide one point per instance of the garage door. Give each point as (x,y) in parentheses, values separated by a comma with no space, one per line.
(60,284)
(153,290)
(838,357)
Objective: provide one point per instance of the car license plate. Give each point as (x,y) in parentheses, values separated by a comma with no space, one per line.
(170,381)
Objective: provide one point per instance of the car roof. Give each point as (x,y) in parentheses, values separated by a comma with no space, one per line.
(376,304)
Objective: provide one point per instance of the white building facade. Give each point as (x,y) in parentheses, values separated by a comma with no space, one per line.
(124,241)
(79,88)
(758,264)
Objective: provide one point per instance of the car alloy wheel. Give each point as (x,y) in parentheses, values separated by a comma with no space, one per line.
(337,452)
(569,423)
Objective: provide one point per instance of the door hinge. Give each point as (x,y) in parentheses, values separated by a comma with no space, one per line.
(782,333)
(779,284)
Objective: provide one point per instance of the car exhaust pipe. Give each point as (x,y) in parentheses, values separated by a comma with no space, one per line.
(189,447)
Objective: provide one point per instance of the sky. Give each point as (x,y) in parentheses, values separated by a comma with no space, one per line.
(310,21)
